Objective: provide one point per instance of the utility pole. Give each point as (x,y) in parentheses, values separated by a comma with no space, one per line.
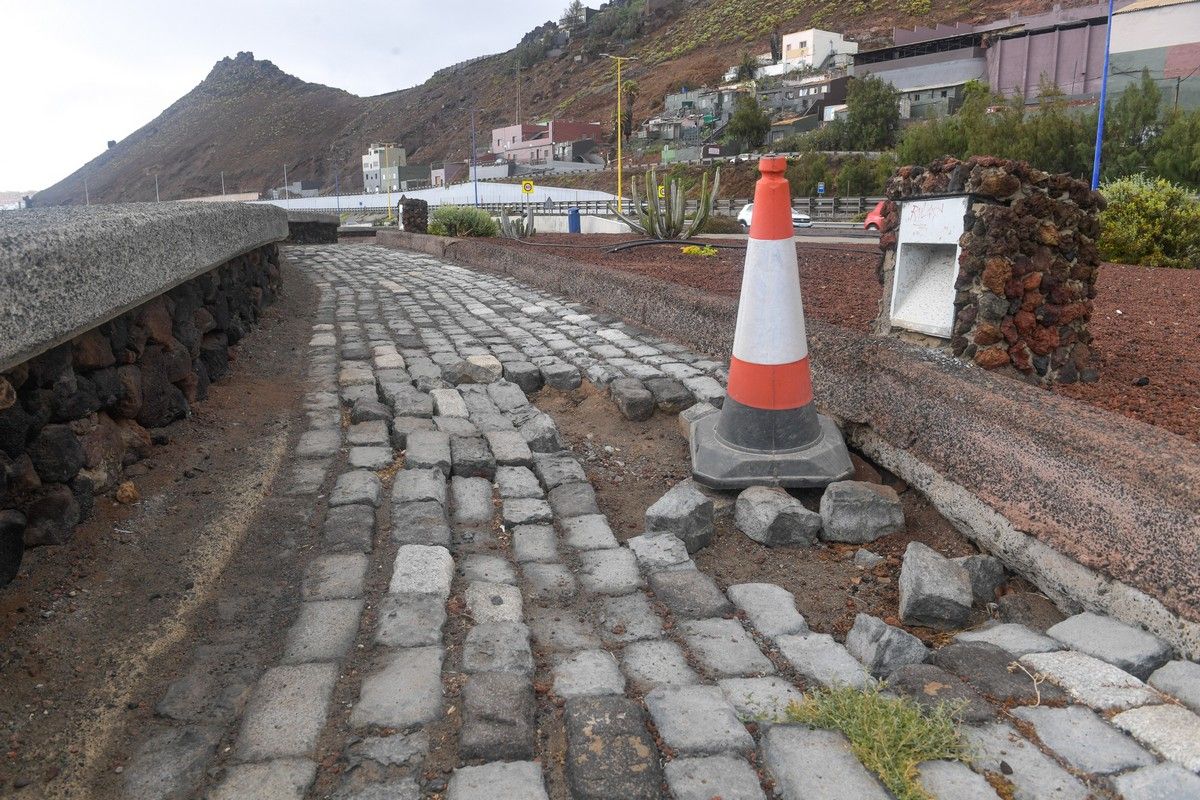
(387,160)
(222,183)
(620,91)
(156,188)
(1103,101)
(87,200)
(474,164)
(1179,81)
(337,191)
(287,200)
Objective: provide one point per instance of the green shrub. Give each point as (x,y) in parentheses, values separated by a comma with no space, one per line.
(462,221)
(720,224)
(1150,221)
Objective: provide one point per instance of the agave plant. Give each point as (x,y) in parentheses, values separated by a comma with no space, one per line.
(665,218)
(518,228)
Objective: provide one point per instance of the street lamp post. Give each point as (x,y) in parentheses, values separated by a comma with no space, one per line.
(619,59)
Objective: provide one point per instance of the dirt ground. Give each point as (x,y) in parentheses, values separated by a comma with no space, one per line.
(1146,321)
(92,632)
(632,464)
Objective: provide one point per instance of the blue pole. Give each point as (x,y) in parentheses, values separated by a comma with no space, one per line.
(1103,101)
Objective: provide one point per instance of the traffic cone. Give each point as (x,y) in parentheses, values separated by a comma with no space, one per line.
(768,431)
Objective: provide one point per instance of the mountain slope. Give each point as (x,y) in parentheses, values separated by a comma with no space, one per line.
(248,117)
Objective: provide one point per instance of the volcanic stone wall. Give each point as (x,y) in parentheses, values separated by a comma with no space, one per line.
(73,417)
(1027,268)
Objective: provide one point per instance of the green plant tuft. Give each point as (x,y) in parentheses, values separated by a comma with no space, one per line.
(1150,221)
(461,221)
(889,735)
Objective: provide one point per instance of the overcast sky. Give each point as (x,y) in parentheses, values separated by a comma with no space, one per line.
(77,73)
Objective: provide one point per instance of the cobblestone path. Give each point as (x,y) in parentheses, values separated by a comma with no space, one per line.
(471,628)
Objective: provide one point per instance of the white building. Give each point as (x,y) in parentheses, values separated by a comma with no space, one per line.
(803,50)
(381,167)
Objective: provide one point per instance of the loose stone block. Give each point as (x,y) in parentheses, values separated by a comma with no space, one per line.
(822,660)
(471,499)
(561,629)
(989,669)
(1090,681)
(534,543)
(690,594)
(610,754)
(633,400)
(807,763)
(573,500)
(359,486)
(724,648)
(498,647)
(1085,741)
(1164,781)
(523,374)
(324,631)
(859,512)
(611,572)
(762,700)
(555,469)
(512,780)
(697,721)
(410,620)
(929,686)
(371,434)
(516,482)
(1181,680)
(421,522)
(509,448)
(1012,638)
(726,777)
(428,450)
(422,569)
(589,532)
(1121,645)
(882,648)
(494,602)
(628,619)
(287,711)
(1172,731)
(526,511)
(403,426)
(549,584)
(336,577)
(370,458)
(561,376)
(773,517)
(349,528)
(498,718)
(953,780)
(587,673)
(471,457)
(653,663)
(1029,609)
(998,748)
(986,574)
(771,609)
(406,690)
(934,591)
(685,512)
(487,568)
(541,434)
(659,551)
(448,403)
(281,779)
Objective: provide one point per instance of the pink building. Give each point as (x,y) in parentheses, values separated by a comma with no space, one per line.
(531,144)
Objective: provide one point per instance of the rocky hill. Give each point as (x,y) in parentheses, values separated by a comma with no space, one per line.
(248,117)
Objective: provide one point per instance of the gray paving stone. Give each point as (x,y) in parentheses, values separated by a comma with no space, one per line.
(471,457)
(656,662)
(883,648)
(1085,741)
(561,376)
(660,551)
(287,711)
(510,448)
(534,543)
(410,620)
(428,450)
(1181,680)
(448,403)
(705,778)
(422,569)
(610,755)
(770,609)
(403,426)
(953,780)
(319,444)
(684,512)
(859,512)
(281,779)
(393,789)
(498,718)
(455,426)
(512,780)
(1090,681)
(421,522)
(549,584)
(1121,645)
(324,631)
(989,669)
(306,477)
(405,690)
(724,648)
(689,594)
(494,602)
(931,686)
(821,660)
(555,469)
(573,500)
(352,394)
(986,574)
(526,511)
(335,577)
(998,748)
(507,396)
(523,374)
(372,434)
(934,591)
(514,482)
(541,434)
(589,532)
(632,398)
(1164,781)
(488,568)
(349,529)
(627,619)
(1170,730)
(498,647)
(562,629)
(586,673)
(370,458)
(697,721)
(812,763)
(471,500)
(612,572)
(170,763)
(772,517)
(360,486)
(1013,638)
(761,700)
(412,485)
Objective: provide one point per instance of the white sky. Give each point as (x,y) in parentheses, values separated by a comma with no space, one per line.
(75,74)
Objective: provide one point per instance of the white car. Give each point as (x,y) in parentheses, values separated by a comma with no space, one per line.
(798,220)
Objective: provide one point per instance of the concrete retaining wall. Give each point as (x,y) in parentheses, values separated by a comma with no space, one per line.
(1099,511)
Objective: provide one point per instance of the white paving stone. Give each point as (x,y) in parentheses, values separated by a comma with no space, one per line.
(1091,681)
(1173,731)
(422,569)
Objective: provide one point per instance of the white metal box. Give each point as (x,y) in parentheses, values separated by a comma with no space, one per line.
(927,254)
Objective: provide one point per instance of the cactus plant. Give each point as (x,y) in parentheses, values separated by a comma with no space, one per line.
(665,219)
(516,228)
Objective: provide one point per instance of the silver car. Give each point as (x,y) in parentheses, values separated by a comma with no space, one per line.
(799,220)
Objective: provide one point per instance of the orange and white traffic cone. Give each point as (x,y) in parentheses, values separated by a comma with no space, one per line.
(768,431)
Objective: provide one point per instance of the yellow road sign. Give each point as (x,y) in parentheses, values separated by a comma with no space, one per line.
(527,187)
(662,192)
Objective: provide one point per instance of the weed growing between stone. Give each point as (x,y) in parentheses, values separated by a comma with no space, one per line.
(889,735)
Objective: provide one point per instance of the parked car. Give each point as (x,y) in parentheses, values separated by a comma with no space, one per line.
(874,220)
(798,220)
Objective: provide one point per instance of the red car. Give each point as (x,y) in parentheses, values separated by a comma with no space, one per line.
(874,220)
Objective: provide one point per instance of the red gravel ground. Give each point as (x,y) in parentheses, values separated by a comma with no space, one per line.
(1146,322)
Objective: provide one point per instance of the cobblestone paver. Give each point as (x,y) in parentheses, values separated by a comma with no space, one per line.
(471,627)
